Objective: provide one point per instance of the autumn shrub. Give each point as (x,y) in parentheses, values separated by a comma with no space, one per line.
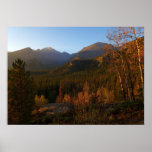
(104,95)
(40,100)
(67,98)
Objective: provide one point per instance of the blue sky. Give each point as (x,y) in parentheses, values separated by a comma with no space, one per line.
(63,39)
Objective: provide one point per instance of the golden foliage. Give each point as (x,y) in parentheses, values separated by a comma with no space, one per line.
(40,100)
(67,98)
(104,95)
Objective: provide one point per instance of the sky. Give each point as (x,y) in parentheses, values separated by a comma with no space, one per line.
(63,39)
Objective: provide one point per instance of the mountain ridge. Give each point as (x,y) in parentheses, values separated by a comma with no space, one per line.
(48,58)
(40,59)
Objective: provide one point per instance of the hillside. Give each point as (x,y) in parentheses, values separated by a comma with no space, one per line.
(77,64)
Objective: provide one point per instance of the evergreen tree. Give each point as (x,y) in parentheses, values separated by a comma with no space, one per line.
(20,94)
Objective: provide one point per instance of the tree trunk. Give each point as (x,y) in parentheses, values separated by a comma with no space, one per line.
(122,89)
(130,79)
(139,60)
(124,70)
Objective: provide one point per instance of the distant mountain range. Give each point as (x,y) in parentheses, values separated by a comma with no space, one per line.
(44,59)
(49,58)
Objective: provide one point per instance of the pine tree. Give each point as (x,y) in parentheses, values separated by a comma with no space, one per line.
(20,94)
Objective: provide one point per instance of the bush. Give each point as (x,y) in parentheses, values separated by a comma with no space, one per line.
(40,100)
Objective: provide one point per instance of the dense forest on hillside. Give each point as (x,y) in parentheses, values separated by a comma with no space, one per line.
(107,89)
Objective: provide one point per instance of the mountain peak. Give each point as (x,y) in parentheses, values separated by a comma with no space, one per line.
(99,43)
(48,48)
(27,48)
(94,46)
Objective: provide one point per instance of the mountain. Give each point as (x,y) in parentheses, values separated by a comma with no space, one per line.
(41,59)
(91,51)
(49,58)
(89,58)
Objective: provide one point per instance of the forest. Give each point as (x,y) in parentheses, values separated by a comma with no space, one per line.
(103,90)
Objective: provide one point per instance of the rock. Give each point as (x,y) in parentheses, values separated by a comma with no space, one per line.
(56,108)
